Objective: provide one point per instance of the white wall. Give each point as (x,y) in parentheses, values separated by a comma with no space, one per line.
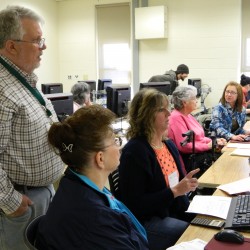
(203,34)
(77,40)
(49,69)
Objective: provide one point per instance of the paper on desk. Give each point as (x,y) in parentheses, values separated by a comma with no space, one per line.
(241,152)
(217,206)
(195,244)
(238,145)
(236,187)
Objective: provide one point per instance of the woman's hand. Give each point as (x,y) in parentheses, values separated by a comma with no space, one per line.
(240,137)
(221,141)
(187,184)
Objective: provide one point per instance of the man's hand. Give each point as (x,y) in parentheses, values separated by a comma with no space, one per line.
(26,202)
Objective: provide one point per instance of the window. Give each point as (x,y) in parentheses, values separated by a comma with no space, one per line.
(248,52)
(113,38)
(116,62)
(245,48)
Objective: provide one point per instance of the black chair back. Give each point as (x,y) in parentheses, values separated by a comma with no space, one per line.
(114,183)
(31,231)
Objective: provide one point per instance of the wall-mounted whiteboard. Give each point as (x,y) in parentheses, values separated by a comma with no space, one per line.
(151,22)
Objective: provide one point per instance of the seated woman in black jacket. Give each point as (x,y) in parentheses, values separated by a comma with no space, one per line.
(83,213)
(152,178)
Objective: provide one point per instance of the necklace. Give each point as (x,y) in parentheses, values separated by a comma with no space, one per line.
(157,147)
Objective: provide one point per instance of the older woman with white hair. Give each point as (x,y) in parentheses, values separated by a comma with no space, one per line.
(81,95)
(181,120)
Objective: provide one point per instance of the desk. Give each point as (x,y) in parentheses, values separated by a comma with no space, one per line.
(226,169)
(202,233)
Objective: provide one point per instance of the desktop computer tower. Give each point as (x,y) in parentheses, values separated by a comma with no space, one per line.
(117,98)
(62,103)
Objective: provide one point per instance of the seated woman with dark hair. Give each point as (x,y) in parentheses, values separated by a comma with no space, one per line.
(229,116)
(152,178)
(181,121)
(83,213)
(245,84)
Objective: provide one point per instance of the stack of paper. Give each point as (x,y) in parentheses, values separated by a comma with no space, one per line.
(241,152)
(195,244)
(238,145)
(217,206)
(236,187)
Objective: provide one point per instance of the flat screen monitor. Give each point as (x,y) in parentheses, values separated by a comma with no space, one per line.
(196,82)
(164,87)
(104,83)
(118,96)
(62,103)
(52,88)
(92,86)
(91,83)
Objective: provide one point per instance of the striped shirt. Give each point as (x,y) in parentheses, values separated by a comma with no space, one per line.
(26,158)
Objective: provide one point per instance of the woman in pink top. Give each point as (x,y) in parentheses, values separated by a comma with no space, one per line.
(181,120)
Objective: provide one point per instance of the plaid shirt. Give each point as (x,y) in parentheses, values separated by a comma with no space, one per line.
(222,117)
(26,158)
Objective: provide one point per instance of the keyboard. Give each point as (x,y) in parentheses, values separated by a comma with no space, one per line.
(238,217)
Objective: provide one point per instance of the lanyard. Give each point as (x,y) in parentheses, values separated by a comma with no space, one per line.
(32,90)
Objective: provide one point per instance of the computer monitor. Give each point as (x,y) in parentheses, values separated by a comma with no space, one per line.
(118,96)
(164,87)
(51,88)
(91,83)
(63,104)
(104,83)
(92,86)
(196,82)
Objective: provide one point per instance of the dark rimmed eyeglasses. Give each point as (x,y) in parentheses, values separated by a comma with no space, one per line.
(40,42)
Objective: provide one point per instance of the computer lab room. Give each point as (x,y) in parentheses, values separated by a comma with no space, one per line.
(172,171)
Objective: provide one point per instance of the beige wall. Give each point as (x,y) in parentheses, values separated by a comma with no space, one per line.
(203,34)
(77,40)
(49,69)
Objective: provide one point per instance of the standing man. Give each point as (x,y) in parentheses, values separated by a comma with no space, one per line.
(172,76)
(28,165)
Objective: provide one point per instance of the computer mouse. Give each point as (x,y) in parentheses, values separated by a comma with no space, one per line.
(229,235)
(247,139)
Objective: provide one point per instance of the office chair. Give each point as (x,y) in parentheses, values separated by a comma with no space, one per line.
(205,120)
(114,183)
(31,231)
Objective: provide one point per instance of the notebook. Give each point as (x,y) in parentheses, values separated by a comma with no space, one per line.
(214,244)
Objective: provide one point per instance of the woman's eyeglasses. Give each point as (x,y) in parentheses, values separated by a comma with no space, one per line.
(228,92)
(117,142)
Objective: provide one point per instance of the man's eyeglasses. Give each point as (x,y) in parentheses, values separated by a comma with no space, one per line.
(228,92)
(40,43)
